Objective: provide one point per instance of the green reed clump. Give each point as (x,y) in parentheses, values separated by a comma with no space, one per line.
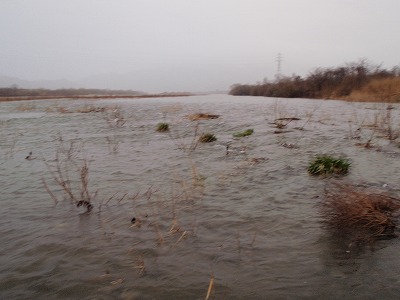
(328,165)
(162,127)
(244,133)
(207,138)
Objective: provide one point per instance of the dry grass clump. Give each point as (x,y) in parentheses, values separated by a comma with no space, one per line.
(91,109)
(378,90)
(82,110)
(283,122)
(247,132)
(202,116)
(358,214)
(25,107)
(207,138)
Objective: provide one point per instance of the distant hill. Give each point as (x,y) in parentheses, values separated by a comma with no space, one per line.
(7,81)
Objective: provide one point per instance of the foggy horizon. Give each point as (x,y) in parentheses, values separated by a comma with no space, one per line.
(177,45)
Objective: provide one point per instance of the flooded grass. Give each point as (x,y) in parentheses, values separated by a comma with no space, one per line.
(326,164)
(173,218)
(162,127)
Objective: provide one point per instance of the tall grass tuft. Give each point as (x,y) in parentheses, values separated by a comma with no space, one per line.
(207,138)
(162,127)
(328,165)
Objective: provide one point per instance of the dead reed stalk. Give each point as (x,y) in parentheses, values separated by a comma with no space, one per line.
(113,143)
(115,118)
(210,287)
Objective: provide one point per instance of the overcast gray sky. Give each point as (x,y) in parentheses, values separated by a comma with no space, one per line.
(191,45)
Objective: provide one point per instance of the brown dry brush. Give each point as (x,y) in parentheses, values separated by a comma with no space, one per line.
(359,215)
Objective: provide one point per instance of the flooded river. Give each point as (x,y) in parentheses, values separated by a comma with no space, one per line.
(176,219)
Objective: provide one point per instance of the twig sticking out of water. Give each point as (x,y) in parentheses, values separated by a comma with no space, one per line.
(238,242)
(52,195)
(183,145)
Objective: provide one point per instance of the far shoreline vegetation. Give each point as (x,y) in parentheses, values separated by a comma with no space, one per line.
(18,94)
(358,81)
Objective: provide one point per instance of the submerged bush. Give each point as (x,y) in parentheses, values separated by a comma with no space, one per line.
(162,127)
(244,133)
(207,138)
(328,165)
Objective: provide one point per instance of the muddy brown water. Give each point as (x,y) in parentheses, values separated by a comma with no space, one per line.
(249,220)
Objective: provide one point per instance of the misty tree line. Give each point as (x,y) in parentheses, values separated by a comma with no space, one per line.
(321,83)
(14,91)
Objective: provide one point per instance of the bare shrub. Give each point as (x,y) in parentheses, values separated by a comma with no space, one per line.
(75,188)
(358,214)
